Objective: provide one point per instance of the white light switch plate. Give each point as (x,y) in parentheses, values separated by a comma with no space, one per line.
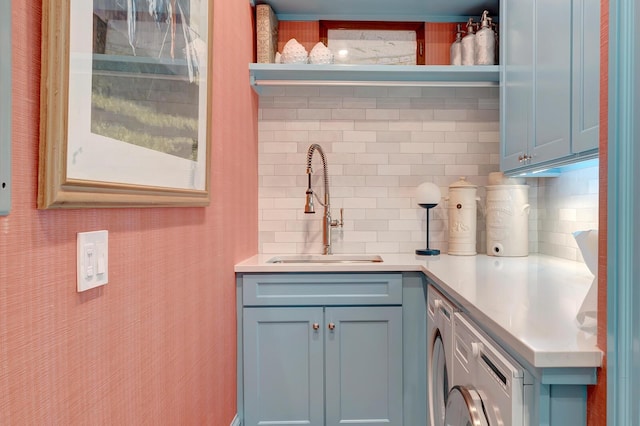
(93,259)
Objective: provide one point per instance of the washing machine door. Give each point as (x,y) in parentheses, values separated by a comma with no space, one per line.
(464,408)
(439,384)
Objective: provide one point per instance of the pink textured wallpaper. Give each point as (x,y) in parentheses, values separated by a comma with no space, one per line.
(157,345)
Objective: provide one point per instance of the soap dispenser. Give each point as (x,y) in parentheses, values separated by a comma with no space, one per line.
(456,47)
(469,45)
(485,49)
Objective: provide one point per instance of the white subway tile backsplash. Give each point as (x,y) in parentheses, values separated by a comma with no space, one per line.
(429,103)
(477,126)
(569,203)
(450,148)
(382,114)
(290,102)
(279,214)
(450,114)
(457,137)
(372,125)
(282,181)
(416,114)
(348,114)
(393,136)
(393,103)
(405,126)
(381,143)
(327,126)
(460,170)
(363,103)
(360,136)
(483,115)
(306,91)
(383,147)
(394,170)
(326,103)
(278,248)
(360,170)
(404,159)
(374,159)
(371,92)
(567,215)
(381,213)
(359,203)
(317,113)
(403,92)
(279,114)
(416,148)
(381,248)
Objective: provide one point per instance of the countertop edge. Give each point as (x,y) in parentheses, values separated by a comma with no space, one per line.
(537,359)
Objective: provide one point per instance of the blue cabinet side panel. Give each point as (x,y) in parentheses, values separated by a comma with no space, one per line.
(585,120)
(414,343)
(568,405)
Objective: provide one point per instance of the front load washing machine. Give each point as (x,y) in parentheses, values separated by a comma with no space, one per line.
(439,354)
(491,388)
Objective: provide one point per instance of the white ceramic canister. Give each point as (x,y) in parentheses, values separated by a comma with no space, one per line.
(462,206)
(507,210)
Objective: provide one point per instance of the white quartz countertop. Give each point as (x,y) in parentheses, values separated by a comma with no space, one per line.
(527,303)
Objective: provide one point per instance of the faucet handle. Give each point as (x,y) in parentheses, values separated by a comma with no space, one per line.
(336,222)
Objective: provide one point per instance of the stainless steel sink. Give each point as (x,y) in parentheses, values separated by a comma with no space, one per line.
(329,258)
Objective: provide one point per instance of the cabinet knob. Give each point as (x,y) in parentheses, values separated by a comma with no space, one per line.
(521,158)
(316,326)
(331,326)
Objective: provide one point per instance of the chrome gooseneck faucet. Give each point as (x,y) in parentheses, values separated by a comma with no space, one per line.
(327,223)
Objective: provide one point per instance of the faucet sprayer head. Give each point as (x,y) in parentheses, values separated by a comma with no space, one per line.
(308,205)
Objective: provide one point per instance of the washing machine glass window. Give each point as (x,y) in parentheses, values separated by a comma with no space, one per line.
(464,408)
(440,354)
(439,384)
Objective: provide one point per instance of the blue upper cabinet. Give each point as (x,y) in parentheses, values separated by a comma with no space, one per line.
(516,55)
(550,80)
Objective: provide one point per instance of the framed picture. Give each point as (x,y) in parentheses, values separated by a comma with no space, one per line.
(125,103)
(374,43)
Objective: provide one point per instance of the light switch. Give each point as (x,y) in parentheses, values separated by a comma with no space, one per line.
(93,259)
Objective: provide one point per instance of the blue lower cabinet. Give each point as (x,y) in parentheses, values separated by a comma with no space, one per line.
(283,366)
(363,361)
(322,365)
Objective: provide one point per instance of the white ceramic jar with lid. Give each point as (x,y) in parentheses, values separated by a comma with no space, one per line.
(462,207)
(507,211)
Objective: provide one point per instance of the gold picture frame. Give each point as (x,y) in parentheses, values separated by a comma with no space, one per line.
(125,108)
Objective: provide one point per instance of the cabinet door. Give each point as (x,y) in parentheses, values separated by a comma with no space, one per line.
(586,75)
(283,366)
(363,365)
(552,80)
(516,104)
